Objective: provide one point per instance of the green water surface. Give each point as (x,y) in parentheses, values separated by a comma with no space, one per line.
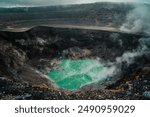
(74,74)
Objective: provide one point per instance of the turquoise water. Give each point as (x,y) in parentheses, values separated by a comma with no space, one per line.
(77,73)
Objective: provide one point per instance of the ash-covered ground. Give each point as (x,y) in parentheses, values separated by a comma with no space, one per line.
(116,34)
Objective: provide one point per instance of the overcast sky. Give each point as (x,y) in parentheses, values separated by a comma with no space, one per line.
(56,2)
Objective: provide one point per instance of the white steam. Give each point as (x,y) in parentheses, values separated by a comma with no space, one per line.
(127,57)
(138,20)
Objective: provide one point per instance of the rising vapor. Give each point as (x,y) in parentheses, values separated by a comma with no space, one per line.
(138,20)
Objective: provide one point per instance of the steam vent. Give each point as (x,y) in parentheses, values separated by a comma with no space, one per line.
(85,51)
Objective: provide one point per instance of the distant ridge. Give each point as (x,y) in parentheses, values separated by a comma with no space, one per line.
(68,5)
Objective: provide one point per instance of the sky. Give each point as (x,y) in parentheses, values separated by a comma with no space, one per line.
(56,2)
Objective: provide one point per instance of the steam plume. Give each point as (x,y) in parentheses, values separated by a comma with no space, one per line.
(138,20)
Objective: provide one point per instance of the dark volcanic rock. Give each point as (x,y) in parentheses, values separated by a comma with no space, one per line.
(27,57)
(12,56)
(90,14)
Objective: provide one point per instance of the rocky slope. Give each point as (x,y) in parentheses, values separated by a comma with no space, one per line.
(96,14)
(27,57)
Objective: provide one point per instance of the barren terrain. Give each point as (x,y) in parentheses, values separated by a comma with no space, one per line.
(34,40)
